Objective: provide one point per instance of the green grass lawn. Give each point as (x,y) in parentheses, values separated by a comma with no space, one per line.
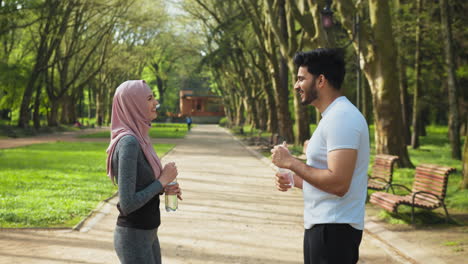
(158,130)
(54,184)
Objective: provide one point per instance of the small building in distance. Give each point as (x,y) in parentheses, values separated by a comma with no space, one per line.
(203,106)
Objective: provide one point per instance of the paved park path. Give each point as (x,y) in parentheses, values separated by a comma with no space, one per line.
(231,213)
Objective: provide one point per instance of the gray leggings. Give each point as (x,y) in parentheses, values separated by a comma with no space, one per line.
(137,245)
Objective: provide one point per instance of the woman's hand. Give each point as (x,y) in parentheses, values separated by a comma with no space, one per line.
(174,189)
(168,174)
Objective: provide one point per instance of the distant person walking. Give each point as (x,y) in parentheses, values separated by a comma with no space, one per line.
(141,177)
(188,119)
(334,180)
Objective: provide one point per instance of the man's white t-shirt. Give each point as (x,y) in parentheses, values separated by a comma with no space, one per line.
(342,127)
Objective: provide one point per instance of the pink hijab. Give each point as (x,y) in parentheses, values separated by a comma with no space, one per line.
(130,117)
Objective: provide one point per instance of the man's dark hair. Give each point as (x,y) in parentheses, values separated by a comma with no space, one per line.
(326,61)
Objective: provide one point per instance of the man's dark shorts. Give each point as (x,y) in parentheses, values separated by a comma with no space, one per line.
(332,243)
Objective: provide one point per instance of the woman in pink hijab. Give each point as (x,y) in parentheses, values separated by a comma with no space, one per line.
(140,176)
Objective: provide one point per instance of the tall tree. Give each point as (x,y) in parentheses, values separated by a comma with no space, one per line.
(51,32)
(402,72)
(90,29)
(454,126)
(314,34)
(268,63)
(465,162)
(378,62)
(239,71)
(285,36)
(416,122)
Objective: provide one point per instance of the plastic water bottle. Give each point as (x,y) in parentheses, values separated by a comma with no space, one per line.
(289,174)
(171,200)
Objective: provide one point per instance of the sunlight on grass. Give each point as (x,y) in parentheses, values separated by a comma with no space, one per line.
(456,246)
(54,184)
(452,243)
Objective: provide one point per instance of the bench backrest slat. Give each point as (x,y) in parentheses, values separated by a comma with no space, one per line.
(383,166)
(432,178)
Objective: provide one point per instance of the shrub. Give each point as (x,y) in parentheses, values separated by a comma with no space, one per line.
(223,122)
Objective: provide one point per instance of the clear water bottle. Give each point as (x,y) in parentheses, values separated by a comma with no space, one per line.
(171,200)
(290,175)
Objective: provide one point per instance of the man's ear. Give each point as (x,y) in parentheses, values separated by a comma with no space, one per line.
(322,80)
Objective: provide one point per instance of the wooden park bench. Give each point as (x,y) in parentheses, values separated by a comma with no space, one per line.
(382,172)
(264,144)
(429,190)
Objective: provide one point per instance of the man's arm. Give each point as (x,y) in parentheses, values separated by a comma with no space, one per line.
(335,180)
(297,181)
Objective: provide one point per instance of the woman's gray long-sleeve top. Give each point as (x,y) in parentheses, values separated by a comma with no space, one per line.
(138,189)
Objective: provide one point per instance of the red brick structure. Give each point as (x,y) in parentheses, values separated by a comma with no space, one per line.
(204,108)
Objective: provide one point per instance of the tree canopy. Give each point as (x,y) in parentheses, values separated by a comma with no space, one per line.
(406,61)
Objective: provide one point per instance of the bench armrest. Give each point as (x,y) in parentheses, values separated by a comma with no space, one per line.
(399,185)
(413,196)
(378,178)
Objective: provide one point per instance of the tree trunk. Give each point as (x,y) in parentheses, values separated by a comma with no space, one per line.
(37,104)
(285,122)
(416,122)
(54,108)
(257,115)
(384,78)
(159,83)
(232,109)
(303,122)
(72,106)
(65,102)
(109,107)
(90,100)
(24,115)
(262,114)
(240,120)
(404,99)
(465,162)
(365,99)
(272,123)
(99,109)
(423,121)
(403,79)
(454,132)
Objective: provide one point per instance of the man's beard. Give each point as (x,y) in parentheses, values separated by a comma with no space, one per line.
(310,95)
